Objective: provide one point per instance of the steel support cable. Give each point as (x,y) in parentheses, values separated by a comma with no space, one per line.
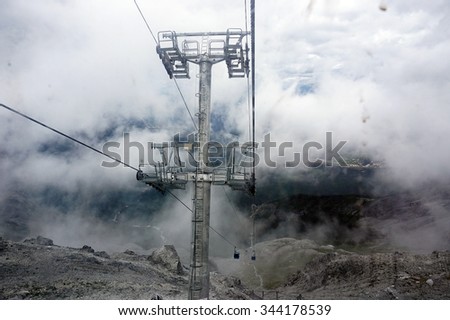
(248,79)
(185,103)
(217,232)
(231,203)
(67,136)
(102,153)
(252,29)
(148,26)
(174,80)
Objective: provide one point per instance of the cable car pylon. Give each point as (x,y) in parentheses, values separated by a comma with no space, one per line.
(177,51)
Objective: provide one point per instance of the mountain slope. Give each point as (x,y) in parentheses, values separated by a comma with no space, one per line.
(37,269)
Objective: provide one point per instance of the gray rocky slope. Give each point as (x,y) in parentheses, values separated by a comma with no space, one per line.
(379,237)
(38,269)
(291,268)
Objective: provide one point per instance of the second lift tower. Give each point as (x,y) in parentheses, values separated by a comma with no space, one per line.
(205,49)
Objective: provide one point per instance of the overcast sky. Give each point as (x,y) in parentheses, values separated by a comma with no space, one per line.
(379,79)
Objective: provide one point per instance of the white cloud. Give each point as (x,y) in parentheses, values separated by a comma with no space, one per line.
(83,65)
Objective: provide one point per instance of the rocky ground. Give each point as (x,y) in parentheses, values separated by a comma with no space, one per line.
(284,269)
(308,247)
(38,269)
(301,269)
(373,276)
